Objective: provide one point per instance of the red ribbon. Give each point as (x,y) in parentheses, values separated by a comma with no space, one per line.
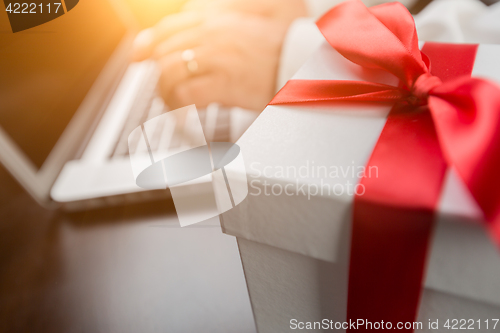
(441,117)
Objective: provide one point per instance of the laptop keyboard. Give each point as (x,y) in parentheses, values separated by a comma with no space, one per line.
(215,121)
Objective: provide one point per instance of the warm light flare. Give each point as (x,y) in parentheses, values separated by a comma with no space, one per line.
(148,12)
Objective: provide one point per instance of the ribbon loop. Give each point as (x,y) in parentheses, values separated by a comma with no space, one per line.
(381,37)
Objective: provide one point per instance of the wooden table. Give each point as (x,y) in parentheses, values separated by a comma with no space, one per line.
(124,269)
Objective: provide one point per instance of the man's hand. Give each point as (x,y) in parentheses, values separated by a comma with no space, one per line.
(236,46)
(237,57)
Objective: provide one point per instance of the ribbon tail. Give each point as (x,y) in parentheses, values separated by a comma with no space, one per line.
(310,91)
(466,113)
(393,220)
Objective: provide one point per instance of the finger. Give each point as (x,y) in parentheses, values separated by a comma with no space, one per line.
(147,40)
(142,46)
(174,69)
(187,39)
(199,90)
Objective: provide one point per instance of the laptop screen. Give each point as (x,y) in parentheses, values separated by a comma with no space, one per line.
(46,71)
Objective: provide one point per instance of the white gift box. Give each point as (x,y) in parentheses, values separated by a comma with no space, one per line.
(294,238)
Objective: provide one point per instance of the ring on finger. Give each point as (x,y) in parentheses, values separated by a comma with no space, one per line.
(189,58)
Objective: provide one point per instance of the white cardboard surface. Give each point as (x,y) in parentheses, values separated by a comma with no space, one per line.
(284,285)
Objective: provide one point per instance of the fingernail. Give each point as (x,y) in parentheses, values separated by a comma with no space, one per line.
(144,38)
(142,42)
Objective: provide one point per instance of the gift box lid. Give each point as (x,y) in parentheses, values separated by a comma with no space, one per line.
(303,164)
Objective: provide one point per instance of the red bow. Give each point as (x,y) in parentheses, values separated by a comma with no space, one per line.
(441,117)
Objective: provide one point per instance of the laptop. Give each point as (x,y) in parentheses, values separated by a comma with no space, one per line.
(70,97)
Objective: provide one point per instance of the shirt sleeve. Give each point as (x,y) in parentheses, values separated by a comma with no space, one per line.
(302,39)
(459,21)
